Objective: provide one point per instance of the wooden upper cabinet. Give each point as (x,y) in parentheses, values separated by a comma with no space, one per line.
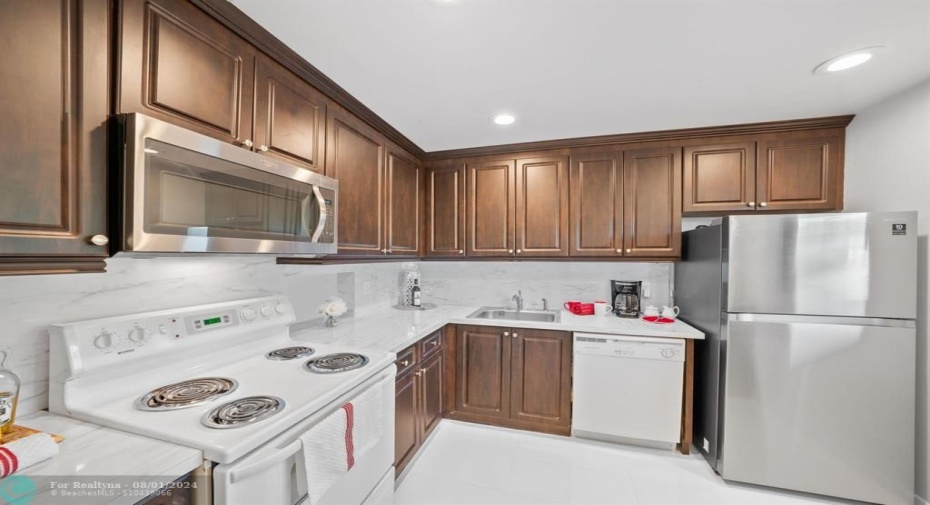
(53,103)
(719,178)
(445,211)
(403,184)
(489,208)
(541,378)
(801,172)
(290,116)
(542,206)
(596,204)
(483,371)
(180,65)
(652,202)
(355,157)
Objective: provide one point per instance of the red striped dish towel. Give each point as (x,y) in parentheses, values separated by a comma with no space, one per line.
(334,445)
(26,452)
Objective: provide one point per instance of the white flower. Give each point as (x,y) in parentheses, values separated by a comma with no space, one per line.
(334,307)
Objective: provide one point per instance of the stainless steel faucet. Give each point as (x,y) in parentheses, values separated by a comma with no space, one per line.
(519,299)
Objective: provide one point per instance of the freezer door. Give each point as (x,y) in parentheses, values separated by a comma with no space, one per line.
(855,264)
(821,406)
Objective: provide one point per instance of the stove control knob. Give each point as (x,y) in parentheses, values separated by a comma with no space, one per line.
(104,340)
(248,314)
(267,311)
(280,308)
(667,353)
(137,334)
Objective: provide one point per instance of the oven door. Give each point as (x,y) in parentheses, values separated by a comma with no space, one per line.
(183,192)
(274,474)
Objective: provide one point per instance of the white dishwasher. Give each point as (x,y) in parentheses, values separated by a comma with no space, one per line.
(628,389)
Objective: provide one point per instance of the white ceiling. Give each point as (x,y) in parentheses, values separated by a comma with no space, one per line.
(438,71)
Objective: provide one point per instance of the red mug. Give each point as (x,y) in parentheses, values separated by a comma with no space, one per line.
(579,308)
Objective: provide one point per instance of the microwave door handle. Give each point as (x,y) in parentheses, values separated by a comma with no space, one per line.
(322,221)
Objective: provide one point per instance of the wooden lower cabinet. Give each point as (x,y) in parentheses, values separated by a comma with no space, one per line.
(418,397)
(514,377)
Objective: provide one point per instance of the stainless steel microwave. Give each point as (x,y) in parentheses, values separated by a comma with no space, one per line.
(183,192)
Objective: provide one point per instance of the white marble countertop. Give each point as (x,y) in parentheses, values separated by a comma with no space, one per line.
(91,453)
(393,330)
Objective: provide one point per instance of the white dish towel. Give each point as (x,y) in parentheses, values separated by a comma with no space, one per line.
(26,452)
(334,445)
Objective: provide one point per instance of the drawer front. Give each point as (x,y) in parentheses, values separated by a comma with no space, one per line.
(406,360)
(431,344)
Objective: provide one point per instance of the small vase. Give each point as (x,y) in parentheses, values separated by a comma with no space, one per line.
(330,321)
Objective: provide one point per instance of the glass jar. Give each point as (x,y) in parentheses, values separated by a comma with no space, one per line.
(9,391)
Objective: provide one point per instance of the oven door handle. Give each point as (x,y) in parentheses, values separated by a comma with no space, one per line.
(278,456)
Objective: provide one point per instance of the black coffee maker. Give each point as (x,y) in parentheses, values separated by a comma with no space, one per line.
(626,296)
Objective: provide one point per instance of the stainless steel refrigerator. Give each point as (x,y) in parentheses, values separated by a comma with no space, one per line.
(806,379)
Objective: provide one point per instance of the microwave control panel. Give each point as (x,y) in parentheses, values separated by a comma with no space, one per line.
(329,229)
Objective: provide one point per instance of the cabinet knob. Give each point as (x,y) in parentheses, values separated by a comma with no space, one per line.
(247,143)
(404,362)
(263,148)
(417,374)
(515,335)
(762,204)
(506,333)
(434,343)
(383,251)
(422,370)
(509,251)
(751,204)
(619,251)
(461,251)
(519,251)
(99,240)
(628,251)
(389,251)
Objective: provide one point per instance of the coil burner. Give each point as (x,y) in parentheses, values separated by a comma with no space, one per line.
(289,353)
(243,412)
(185,394)
(335,363)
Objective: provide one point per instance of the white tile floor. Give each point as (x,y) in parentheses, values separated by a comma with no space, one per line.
(481,465)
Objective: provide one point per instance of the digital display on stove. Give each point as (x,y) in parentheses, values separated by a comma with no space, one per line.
(212,320)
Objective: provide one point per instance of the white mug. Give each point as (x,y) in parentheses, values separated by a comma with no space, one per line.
(651,311)
(670,312)
(602,308)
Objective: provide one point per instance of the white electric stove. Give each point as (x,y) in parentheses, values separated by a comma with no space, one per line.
(226,379)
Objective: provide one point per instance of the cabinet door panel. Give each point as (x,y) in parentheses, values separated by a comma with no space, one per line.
(402,223)
(800,173)
(406,427)
(483,371)
(180,65)
(719,178)
(445,193)
(290,116)
(490,208)
(432,383)
(541,383)
(542,207)
(597,204)
(53,104)
(652,198)
(355,157)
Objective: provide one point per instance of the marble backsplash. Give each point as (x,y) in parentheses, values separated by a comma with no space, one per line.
(28,304)
(495,282)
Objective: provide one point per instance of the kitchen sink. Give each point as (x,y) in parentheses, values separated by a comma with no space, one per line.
(502,313)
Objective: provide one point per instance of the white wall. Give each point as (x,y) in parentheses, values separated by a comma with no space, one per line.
(888,168)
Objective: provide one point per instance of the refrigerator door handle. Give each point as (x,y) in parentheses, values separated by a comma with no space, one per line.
(855,321)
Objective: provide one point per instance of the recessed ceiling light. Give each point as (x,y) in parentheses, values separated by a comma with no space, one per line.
(504,119)
(848,60)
